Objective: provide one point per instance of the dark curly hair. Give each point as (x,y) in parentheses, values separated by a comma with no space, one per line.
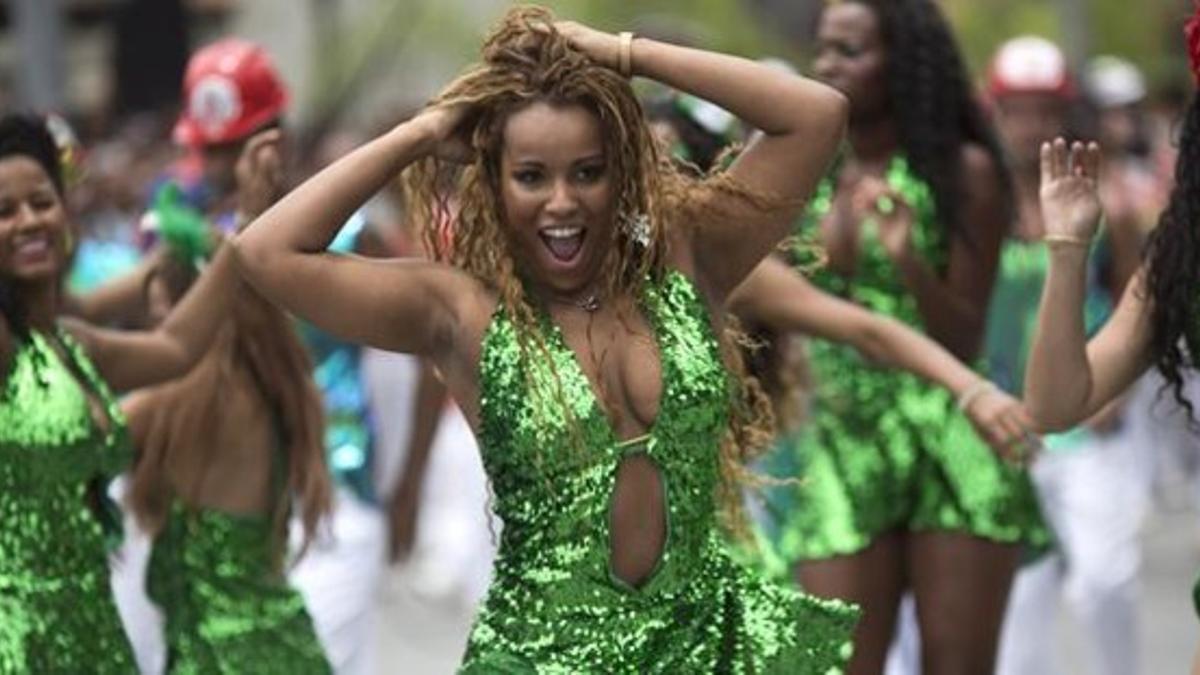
(940,113)
(1172,258)
(26,135)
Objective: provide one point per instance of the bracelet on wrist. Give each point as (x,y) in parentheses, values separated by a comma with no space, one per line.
(973,392)
(625,53)
(1066,240)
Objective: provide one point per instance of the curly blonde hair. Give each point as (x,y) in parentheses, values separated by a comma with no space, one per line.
(525,61)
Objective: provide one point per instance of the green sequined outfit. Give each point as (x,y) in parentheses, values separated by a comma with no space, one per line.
(56,609)
(884,449)
(554,606)
(228,609)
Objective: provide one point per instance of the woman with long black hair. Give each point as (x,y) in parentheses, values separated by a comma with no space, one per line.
(897,491)
(1157,322)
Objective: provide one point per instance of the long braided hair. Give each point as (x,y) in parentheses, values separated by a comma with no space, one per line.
(934,105)
(525,60)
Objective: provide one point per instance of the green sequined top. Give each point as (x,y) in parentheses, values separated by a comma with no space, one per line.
(56,609)
(554,606)
(885,449)
(228,607)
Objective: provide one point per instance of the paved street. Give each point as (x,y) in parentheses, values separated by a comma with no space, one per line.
(423,639)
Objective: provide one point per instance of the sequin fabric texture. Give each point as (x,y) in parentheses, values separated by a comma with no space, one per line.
(227,608)
(56,609)
(884,449)
(554,605)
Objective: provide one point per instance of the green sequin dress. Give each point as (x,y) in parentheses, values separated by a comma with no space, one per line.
(884,449)
(227,606)
(554,605)
(57,613)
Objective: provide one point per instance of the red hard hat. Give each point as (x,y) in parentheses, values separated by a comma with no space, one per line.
(231,88)
(1029,65)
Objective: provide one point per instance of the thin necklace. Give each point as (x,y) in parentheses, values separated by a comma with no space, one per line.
(589,303)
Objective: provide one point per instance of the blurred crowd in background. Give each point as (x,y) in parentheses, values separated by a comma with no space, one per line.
(112,69)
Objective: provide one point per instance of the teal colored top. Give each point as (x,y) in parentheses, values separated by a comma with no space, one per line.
(552,456)
(1012,318)
(349,427)
(56,609)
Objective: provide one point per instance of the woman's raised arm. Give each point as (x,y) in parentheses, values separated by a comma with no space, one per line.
(1068,379)
(800,124)
(408,306)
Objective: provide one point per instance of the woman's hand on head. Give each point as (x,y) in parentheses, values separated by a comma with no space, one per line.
(259,173)
(444,125)
(1069,191)
(603,48)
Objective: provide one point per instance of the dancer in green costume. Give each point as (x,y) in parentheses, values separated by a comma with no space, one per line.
(61,434)
(898,491)
(580,327)
(1157,321)
(221,453)
(776,302)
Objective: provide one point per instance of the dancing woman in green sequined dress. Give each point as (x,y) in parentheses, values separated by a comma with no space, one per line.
(898,491)
(1157,322)
(62,435)
(221,453)
(575,312)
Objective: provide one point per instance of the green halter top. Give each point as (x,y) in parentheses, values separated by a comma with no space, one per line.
(56,609)
(228,608)
(554,605)
(219,579)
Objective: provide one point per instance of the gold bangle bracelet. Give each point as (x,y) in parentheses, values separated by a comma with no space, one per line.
(625,54)
(1066,240)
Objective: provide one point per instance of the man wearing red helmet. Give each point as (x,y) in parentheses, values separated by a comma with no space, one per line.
(1084,478)
(231,91)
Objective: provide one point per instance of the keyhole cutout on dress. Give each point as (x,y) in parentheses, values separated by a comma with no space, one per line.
(637,520)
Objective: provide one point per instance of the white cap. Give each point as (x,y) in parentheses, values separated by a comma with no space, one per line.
(1113,82)
(1029,64)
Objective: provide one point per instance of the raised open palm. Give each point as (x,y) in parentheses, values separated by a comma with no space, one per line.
(1069,195)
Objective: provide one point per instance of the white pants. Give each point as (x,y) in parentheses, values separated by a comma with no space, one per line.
(451,560)
(1095,499)
(142,620)
(340,577)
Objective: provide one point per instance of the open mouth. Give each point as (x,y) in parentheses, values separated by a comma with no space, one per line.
(563,242)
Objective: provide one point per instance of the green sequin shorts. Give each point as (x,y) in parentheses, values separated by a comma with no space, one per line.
(921,467)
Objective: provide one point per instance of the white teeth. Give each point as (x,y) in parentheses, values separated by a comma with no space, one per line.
(562,232)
